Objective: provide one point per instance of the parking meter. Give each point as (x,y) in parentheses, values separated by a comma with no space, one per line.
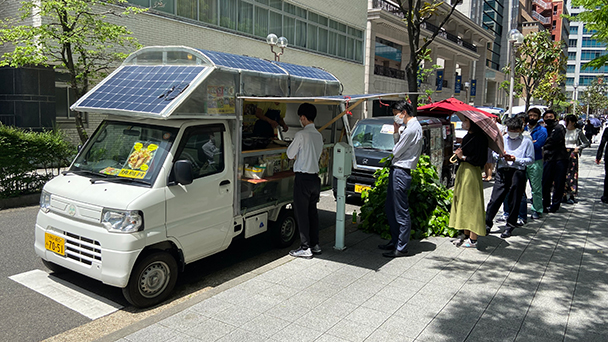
(342,168)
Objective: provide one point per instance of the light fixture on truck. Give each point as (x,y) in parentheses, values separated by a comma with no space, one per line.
(45,201)
(121,221)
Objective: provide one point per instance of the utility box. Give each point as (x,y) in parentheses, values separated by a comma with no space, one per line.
(343,160)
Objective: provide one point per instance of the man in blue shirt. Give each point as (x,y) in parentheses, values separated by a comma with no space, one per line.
(538,133)
(408,146)
(511,175)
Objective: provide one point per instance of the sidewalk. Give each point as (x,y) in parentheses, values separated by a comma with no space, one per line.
(548,282)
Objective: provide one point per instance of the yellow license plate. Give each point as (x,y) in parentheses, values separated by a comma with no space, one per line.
(359,188)
(54,243)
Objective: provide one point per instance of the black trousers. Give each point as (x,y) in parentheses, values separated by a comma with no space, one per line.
(554,175)
(509,183)
(306,192)
(605,195)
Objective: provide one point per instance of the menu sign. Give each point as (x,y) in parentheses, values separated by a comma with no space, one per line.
(141,156)
(220,100)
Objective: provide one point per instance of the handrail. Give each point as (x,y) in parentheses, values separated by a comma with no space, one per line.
(543,4)
(541,18)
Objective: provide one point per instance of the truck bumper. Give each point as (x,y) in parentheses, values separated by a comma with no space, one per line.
(88,248)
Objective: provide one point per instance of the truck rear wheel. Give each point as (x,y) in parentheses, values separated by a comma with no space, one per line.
(284,229)
(151,280)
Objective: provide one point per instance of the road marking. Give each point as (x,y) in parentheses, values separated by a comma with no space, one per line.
(73,297)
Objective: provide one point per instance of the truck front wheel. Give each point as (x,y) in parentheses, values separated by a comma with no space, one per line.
(284,229)
(151,280)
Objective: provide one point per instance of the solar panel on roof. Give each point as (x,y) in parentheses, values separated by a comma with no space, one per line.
(307,72)
(142,88)
(242,62)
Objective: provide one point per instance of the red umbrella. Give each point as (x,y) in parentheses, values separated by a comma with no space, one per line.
(488,126)
(448,107)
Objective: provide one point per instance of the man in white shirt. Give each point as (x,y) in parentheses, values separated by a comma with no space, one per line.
(306,149)
(408,146)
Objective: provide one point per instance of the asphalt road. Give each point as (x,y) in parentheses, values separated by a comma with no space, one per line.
(30,316)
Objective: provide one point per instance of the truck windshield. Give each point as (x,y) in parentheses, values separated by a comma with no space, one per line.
(376,136)
(125,150)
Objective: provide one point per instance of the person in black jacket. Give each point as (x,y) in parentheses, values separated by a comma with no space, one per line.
(555,159)
(598,158)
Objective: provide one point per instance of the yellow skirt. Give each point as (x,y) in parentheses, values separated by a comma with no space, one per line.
(468,210)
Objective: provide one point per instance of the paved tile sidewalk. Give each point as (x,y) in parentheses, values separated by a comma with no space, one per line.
(548,282)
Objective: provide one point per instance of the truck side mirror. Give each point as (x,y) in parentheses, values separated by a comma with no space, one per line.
(182,170)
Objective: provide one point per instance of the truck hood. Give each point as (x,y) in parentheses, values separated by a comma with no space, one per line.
(368,157)
(103,194)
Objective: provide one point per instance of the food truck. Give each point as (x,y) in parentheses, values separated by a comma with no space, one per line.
(172,175)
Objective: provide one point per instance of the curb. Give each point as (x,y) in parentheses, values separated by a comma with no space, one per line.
(21,201)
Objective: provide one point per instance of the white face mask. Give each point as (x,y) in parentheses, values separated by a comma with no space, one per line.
(398,119)
(301,123)
(514,135)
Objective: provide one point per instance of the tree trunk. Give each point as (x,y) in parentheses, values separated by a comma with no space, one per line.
(82,134)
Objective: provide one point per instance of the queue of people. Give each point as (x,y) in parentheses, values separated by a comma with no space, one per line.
(538,150)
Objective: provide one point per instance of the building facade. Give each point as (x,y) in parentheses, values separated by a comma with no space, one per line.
(326,34)
(459,49)
(582,49)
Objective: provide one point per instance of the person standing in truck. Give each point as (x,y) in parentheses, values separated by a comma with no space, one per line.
(306,149)
(408,146)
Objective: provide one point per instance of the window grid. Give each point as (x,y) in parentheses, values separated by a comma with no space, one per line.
(260,17)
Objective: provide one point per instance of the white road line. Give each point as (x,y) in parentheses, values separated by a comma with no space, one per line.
(73,297)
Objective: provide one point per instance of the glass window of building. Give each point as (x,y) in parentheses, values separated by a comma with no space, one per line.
(301,27)
(571,56)
(571,42)
(573,29)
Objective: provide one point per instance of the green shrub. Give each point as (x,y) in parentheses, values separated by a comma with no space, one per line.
(429,202)
(27,159)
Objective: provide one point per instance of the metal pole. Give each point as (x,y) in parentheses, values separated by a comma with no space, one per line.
(511,76)
(340,213)
(574,109)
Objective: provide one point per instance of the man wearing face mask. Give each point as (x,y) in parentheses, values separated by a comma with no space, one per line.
(408,146)
(511,175)
(555,159)
(534,171)
(306,149)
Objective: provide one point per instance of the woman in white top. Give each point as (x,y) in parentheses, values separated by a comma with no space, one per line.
(575,143)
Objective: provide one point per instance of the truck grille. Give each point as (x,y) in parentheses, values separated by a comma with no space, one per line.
(82,249)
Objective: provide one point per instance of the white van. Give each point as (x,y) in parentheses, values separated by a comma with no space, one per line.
(165,181)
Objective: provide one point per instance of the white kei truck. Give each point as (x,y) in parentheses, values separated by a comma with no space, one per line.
(173,174)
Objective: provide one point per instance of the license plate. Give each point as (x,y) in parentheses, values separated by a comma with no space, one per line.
(54,243)
(359,188)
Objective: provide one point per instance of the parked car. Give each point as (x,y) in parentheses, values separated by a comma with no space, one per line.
(372,140)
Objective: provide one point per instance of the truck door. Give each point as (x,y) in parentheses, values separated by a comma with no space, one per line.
(200,214)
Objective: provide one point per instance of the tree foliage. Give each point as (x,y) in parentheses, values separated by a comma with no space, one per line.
(596,20)
(417,13)
(595,95)
(73,36)
(539,62)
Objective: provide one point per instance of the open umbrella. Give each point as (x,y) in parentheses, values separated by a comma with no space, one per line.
(488,126)
(448,107)
(595,122)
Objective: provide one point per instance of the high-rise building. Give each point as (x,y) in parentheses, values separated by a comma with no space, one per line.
(582,49)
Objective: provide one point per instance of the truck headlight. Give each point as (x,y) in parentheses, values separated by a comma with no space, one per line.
(122,221)
(45,201)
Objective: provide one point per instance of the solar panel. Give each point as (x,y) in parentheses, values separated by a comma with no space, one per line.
(307,72)
(142,88)
(242,62)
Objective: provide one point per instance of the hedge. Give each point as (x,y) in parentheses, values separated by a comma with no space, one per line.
(28,159)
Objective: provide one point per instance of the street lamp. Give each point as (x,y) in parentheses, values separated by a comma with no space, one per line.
(273,41)
(574,95)
(515,38)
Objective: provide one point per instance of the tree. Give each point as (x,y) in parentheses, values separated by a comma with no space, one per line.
(73,37)
(417,13)
(596,95)
(539,62)
(596,21)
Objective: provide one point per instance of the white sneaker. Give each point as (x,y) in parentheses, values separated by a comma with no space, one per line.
(459,240)
(502,218)
(316,249)
(301,253)
(469,244)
